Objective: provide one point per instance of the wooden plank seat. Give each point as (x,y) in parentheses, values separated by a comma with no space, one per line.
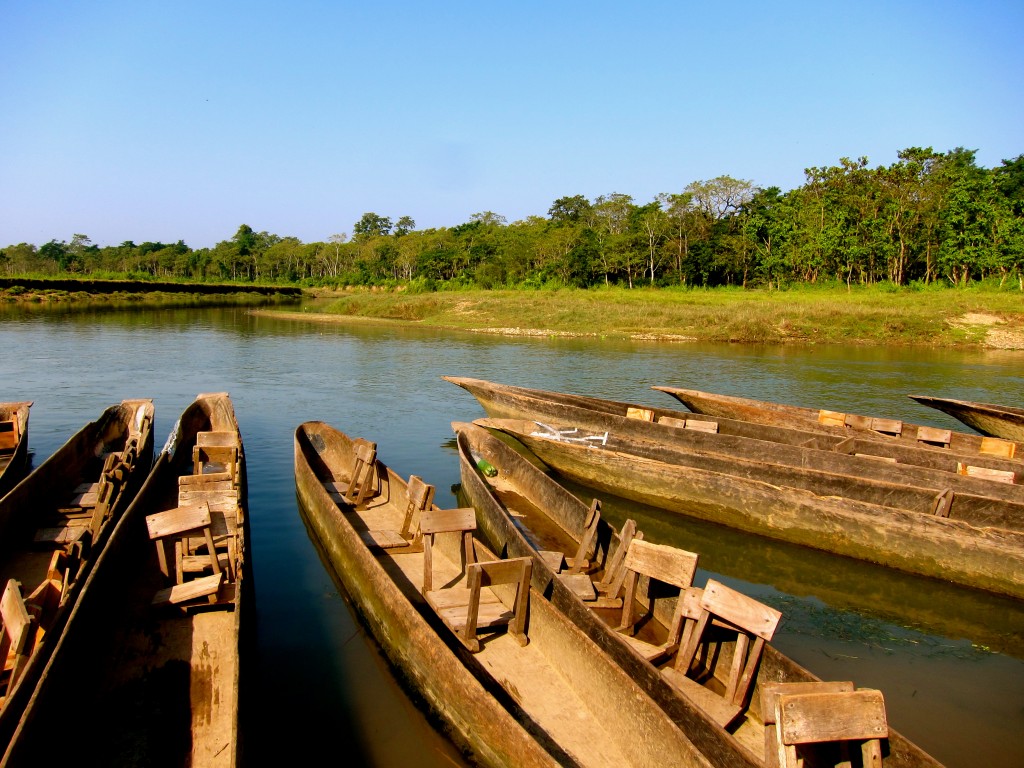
(697,425)
(724,613)
(468,605)
(409,538)
(985,473)
(940,438)
(838,720)
(9,435)
(61,536)
(770,693)
(890,427)
(174,526)
(17,635)
(659,564)
(996,446)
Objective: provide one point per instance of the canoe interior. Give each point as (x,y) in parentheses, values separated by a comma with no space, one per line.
(558,697)
(13,443)
(532,500)
(779,414)
(167,677)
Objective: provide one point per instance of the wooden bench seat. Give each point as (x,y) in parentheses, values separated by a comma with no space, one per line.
(723,611)
(839,720)
(189,528)
(407,539)
(659,564)
(470,605)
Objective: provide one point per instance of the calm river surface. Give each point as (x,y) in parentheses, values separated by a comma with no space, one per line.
(950,662)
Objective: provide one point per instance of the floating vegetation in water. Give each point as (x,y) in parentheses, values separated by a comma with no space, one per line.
(812,618)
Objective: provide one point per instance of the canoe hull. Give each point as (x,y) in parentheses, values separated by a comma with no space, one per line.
(414,647)
(994,420)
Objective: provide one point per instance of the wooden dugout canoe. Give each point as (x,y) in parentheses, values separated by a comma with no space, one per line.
(522,512)
(858,476)
(147,681)
(780,414)
(925,544)
(502,401)
(54,525)
(13,443)
(1001,421)
(558,700)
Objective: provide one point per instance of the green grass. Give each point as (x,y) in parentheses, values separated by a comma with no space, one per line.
(809,314)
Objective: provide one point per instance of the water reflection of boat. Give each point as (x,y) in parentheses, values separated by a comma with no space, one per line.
(54,525)
(830,449)
(1002,421)
(13,443)
(780,414)
(523,512)
(149,658)
(926,544)
(538,694)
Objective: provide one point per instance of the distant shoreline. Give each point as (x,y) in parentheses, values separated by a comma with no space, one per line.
(799,319)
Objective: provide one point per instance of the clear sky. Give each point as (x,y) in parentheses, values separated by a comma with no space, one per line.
(182,120)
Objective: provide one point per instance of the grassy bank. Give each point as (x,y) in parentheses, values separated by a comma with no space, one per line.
(821,315)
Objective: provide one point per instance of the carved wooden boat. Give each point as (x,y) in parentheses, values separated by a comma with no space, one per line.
(926,544)
(779,414)
(13,443)
(1002,421)
(558,700)
(150,666)
(861,476)
(54,525)
(510,402)
(525,513)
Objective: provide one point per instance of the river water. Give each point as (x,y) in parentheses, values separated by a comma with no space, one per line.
(949,661)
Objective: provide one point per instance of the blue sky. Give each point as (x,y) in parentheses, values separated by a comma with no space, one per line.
(182,120)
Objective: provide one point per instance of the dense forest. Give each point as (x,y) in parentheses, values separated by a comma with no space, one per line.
(927,217)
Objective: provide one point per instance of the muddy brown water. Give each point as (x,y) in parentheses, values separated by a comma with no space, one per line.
(949,661)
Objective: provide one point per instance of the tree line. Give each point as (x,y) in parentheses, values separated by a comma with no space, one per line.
(928,217)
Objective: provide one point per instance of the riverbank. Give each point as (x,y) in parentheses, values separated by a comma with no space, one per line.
(939,317)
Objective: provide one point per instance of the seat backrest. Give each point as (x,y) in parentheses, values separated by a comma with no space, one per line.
(614,574)
(434,521)
(826,717)
(421,497)
(18,632)
(659,563)
(590,527)
(363,476)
